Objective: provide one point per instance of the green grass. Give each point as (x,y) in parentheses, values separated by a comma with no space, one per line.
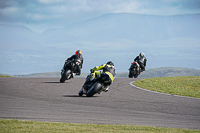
(5,76)
(17,126)
(184,86)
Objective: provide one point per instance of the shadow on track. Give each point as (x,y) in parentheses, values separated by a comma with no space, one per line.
(50,82)
(71,95)
(77,96)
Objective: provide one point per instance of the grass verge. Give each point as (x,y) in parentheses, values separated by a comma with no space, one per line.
(184,86)
(5,76)
(18,126)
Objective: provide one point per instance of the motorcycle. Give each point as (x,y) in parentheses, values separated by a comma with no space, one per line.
(134,70)
(68,72)
(95,86)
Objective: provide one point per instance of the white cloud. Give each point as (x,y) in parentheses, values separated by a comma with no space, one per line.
(13,61)
(8,11)
(70,11)
(50,1)
(131,7)
(80,7)
(35,16)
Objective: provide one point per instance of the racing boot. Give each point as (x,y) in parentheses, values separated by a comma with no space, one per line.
(84,90)
(106,88)
(62,70)
(143,69)
(138,71)
(78,73)
(72,75)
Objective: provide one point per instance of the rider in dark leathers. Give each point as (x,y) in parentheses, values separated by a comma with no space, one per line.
(76,56)
(141,60)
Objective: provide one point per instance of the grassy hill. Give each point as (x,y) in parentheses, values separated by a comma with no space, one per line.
(170,72)
(165,72)
(149,73)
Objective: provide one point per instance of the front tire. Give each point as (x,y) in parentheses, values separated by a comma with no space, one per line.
(130,74)
(80,92)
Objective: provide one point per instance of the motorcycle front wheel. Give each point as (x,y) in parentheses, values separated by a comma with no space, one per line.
(80,92)
(131,74)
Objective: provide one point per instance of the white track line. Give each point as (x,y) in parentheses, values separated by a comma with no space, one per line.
(131,83)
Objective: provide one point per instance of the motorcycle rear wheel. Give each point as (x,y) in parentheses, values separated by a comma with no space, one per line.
(65,76)
(135,76)
(94,89)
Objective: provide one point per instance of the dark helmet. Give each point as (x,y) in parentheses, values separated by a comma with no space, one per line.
(110,63)
(79,53)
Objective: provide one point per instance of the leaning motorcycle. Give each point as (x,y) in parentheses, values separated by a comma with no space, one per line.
(68,72)
(134,70)
(93,87)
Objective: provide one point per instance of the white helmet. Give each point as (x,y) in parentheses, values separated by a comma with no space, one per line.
(141,54)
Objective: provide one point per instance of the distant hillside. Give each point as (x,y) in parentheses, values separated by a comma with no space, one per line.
(48,74)
(167,41)
(165,72)
(136,27)
(170,72)
(149,73)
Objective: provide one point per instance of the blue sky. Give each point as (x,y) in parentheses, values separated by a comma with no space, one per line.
(39,15)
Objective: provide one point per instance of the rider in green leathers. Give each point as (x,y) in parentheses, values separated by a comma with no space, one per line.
(108,72)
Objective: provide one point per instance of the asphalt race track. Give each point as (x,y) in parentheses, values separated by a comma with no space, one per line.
(45,99)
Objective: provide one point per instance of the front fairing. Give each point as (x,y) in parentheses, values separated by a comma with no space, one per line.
(133,66)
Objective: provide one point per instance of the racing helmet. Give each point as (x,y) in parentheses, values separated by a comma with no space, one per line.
(79,53)
(141,54)
(110,63)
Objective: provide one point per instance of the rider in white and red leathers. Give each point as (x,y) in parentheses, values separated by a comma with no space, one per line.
(141,60)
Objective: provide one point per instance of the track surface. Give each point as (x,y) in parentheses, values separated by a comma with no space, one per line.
(45,99)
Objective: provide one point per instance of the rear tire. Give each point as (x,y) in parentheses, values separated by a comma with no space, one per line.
(62,80)
(130,74)
(94,89)
(65,76)
(135,76)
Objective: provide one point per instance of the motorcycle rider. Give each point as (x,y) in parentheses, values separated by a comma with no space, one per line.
(108,74)
(141,60)
(77,56)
